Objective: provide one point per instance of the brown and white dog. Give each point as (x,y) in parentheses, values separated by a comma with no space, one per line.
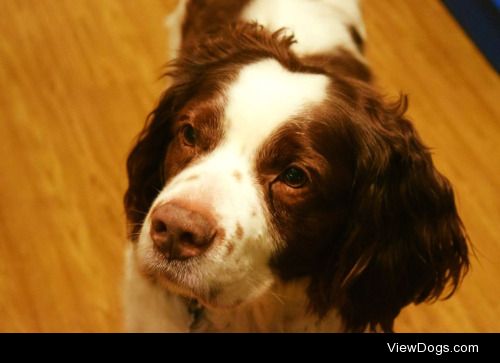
(273,188)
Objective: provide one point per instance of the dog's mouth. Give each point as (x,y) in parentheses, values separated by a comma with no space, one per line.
(182,278)
(213,297)
(205,295)
(188,278)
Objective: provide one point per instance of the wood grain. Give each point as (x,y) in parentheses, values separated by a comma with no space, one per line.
(77,81)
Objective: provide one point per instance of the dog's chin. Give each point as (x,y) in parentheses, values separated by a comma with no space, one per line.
(171,283)
(205,296)
(215,298)
(184,279)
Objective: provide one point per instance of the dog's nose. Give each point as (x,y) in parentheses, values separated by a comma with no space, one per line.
(180,232)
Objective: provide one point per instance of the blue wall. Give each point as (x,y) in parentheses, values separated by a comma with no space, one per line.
(481,21)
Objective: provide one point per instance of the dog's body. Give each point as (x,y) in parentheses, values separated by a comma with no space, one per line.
(273,189)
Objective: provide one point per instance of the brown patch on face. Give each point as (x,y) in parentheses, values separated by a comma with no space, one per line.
(239,231)
(203,115)
(306,218)
(237,175)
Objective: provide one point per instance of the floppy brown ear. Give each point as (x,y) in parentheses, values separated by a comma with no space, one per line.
(145,161)
(404,242)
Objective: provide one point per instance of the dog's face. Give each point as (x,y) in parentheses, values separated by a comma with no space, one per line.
(245,159)
(256,167)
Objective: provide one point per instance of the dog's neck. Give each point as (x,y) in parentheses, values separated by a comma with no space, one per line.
(284,308)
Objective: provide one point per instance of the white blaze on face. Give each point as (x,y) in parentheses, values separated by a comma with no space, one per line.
(262,98)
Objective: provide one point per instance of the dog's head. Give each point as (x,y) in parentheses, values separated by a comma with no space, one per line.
(257,166)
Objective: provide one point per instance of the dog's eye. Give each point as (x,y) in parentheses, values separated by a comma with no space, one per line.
(294,177)
(189,135)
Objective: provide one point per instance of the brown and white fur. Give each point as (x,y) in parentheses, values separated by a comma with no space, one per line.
(274,189)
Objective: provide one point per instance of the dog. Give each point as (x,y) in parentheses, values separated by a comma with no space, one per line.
(274,189)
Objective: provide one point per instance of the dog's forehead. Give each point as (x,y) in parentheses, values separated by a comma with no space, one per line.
(263,97)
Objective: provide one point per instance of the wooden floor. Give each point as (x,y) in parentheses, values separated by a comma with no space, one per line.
(77,81)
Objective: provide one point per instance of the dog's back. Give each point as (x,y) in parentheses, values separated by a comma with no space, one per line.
(319,27)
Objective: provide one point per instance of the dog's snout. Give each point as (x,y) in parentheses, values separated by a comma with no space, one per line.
(181,232)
